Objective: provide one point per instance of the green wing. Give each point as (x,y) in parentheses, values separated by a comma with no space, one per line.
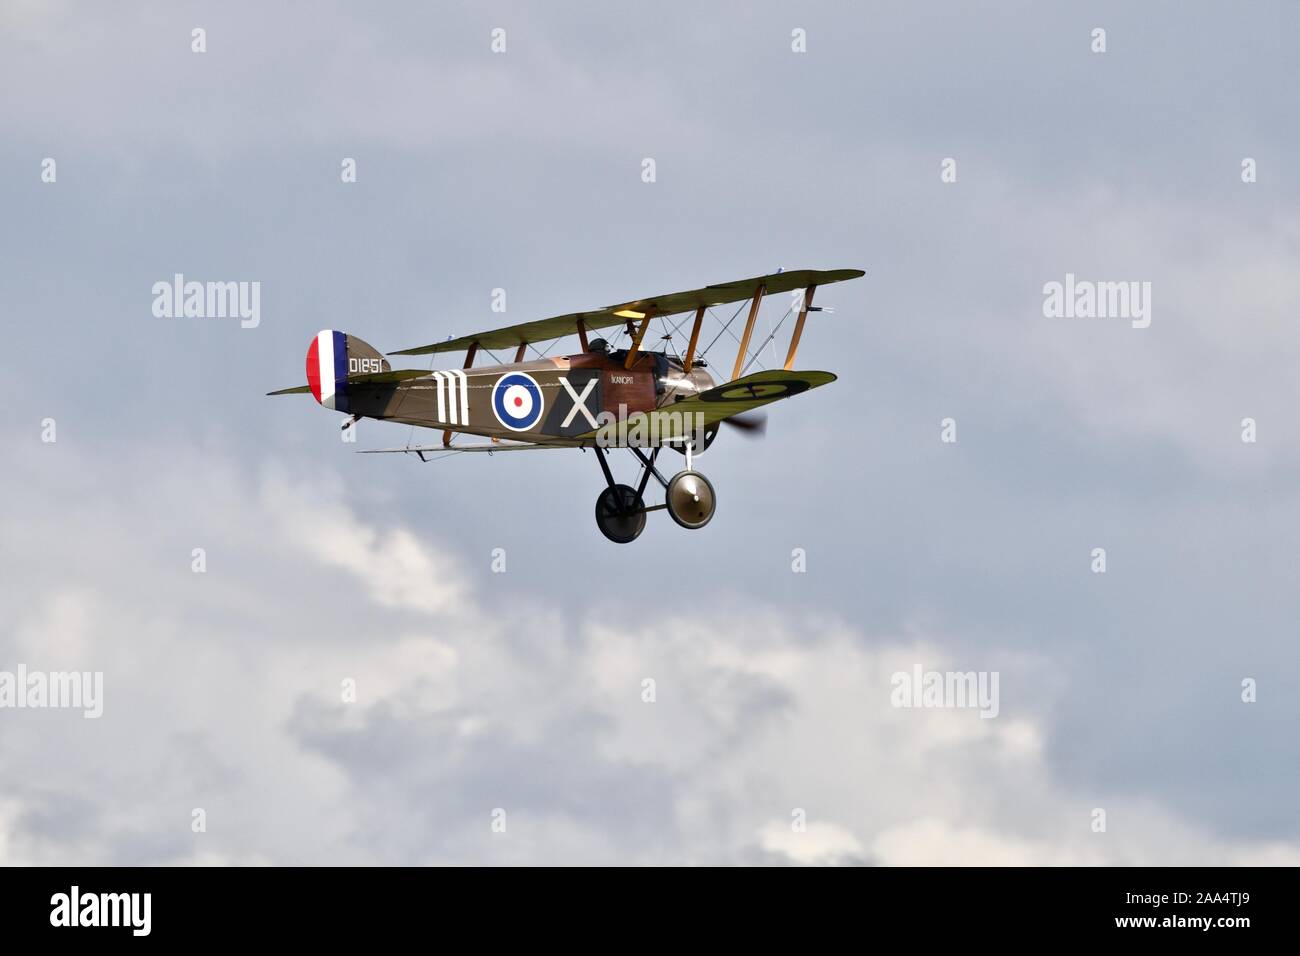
(733,398)
(543,330)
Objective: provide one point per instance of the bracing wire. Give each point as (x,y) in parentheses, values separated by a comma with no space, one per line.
(759,351)
(705,351)
(673,331)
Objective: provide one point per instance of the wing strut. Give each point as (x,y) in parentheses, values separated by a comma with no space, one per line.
(798,326)
(636,342)
(749,331)
(695,338)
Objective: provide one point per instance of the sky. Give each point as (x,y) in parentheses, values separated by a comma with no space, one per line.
(388,662)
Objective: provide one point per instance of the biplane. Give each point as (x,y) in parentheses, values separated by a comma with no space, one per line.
(604,397)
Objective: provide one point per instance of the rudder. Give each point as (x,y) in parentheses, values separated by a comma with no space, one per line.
(331,358)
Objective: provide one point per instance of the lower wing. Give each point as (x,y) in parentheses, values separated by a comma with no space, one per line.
(490,449)
(680,419)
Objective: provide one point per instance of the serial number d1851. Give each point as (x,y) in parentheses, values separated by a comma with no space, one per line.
(364,366)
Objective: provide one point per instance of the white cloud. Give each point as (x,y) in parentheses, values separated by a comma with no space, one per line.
(820,844)
(395,568)
(224,693)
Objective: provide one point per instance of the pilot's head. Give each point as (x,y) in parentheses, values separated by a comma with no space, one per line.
(598,345)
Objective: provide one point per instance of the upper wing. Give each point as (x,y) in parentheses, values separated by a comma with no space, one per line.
(363,378)
(670,304)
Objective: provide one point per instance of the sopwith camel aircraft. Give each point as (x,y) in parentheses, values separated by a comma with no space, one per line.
(601,398)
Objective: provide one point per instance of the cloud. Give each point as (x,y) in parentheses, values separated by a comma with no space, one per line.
(523,690)
(819,844)
(466,705)
(396,569)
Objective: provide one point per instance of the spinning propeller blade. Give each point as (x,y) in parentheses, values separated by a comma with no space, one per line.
(749,424)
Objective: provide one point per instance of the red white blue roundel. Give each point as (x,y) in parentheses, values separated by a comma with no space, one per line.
(517,401)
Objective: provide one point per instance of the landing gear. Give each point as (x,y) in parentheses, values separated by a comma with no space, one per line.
(620,514)
(690,500)
(621,510)
(710,433)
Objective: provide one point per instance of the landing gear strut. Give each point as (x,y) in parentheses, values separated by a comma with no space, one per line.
(710,433)
(620,509)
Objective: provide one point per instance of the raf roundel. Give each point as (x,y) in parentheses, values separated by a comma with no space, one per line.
(517,401)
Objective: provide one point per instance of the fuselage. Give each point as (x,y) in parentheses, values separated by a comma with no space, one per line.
(559,400)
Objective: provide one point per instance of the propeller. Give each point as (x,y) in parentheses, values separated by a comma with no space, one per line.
(749,424)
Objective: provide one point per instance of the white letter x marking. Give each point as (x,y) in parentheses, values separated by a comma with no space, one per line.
(579,401)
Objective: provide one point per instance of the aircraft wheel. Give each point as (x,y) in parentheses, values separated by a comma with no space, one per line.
(691,499)
(620,514)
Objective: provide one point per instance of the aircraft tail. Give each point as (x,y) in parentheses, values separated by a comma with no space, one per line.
(331,358)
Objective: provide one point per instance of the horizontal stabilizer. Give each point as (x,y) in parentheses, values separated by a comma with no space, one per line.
(370,378)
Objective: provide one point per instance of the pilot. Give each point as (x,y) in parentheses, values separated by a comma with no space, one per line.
(598,345)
